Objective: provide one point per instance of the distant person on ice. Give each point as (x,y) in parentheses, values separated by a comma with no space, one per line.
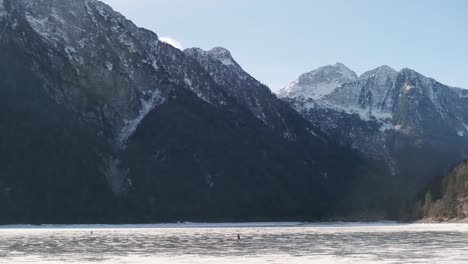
(238,238)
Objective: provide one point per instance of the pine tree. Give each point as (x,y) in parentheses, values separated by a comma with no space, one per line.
(427,203)
(450,198)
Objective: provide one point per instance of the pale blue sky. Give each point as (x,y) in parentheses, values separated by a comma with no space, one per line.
(277,40)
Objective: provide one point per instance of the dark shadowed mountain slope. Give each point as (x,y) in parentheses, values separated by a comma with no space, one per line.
(102,122)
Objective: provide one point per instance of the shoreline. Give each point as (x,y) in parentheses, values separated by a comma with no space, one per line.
(442,221)
(190,225)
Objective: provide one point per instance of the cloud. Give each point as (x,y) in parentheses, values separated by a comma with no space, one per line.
(172,42)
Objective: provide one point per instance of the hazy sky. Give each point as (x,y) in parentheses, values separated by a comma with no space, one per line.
(277,40)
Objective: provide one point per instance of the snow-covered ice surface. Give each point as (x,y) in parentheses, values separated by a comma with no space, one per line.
(216,243)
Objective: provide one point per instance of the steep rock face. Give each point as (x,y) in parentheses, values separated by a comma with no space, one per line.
(105,122)
(109,69)
(428,107)
(412,125)
(229,75)
(253,95)
(48,152)
(370,94)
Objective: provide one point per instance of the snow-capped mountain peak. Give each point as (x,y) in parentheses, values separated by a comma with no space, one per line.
(415,77)
(218,58)
(380,73)
(218,53)
(223,55)
(382,93)
(319,82)
(396,118)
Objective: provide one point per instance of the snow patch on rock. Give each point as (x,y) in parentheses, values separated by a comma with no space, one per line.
(149,101)
(109,66)
(222,55)
(407,88)
(2,9)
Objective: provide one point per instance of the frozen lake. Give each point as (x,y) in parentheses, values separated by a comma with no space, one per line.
(217,243)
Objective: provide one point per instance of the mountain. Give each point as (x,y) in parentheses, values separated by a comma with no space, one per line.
(412,127)
(100,121)
(254,96)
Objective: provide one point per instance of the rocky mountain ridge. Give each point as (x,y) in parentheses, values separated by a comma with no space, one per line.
(413,126)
